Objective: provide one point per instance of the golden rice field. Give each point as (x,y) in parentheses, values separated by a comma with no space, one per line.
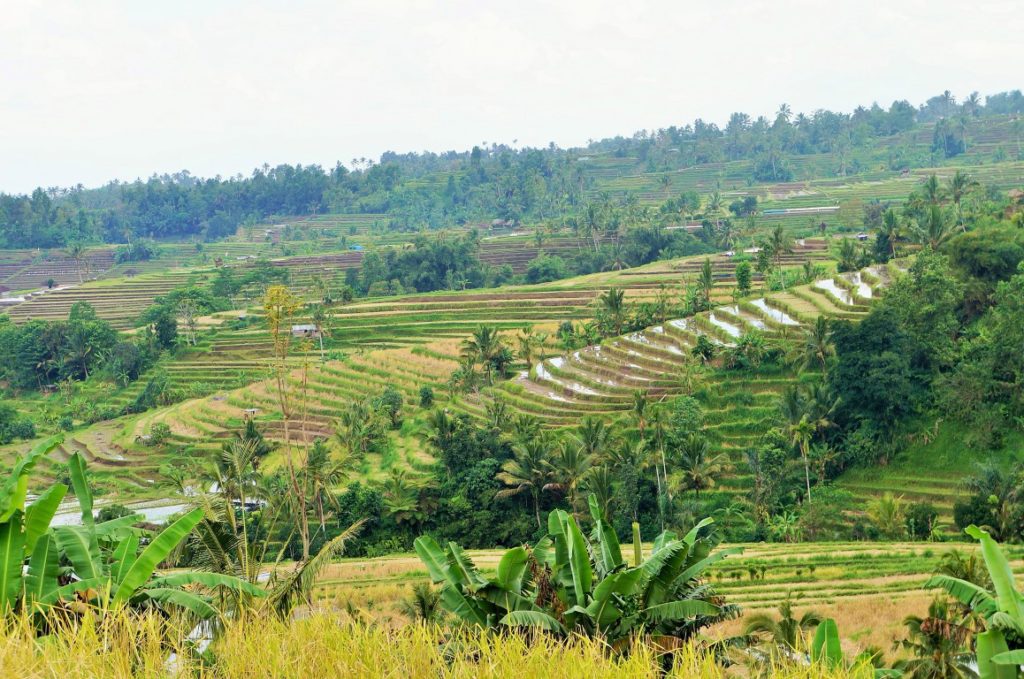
(868,587)
(331,645)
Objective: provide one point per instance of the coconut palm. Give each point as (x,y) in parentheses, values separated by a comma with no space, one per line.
(705,282)
(424,604)
(889,515)
(939,645)
(483,347)
(528,471)
(443,429)
(322,474)
(787,631)
(401,493)
(321,318)
(699,466)
(593,437)
(891,230)
(76,251)
(816,347)
(639,410)
(600,483)
(525,428)
(498,415)
(959,184)
(800,434)
(569,467)
(612,303)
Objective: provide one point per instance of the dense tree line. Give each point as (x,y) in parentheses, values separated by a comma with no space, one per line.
(431,190)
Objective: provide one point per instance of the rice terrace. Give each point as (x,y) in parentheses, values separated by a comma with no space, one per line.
(739,395)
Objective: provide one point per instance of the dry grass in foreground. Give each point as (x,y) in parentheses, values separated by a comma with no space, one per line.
(322,645)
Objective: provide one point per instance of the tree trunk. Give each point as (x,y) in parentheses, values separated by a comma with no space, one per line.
(807,471)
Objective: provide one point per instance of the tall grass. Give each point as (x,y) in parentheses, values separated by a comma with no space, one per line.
(324,644)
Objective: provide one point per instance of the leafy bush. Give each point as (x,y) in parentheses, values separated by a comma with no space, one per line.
(572,584)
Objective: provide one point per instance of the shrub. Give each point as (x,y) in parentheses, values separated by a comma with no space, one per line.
(921,520)
(426,397)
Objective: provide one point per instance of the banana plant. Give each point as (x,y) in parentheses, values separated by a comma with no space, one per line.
(571,583)
(1001,609)
(43,566)
(827,650)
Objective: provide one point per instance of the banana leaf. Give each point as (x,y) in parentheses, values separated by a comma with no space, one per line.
(117,528)
(434,558)
(43,568)
(681,610)
(609,550)
(506,600)
(15,487)
(691,537)
(465,608)
(511,570)
(967,593)
(579,560)
(464,569)
(991,644)
(155,552)
(193,603)
(533,619)
(124,557)
(40,513)
(826,648)
(82,550)
(699,567)
(1007,597)
(12,554)
(211,580)
(79,481)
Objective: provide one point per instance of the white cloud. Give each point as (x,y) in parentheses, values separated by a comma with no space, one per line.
(104,89)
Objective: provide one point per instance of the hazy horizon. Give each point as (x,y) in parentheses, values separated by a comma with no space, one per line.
(121,91)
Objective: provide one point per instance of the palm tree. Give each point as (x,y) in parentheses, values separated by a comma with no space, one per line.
(593,437)
(528,343)
(639,410)
(568,469)
(800,434)
(612,302)
(932,191)
(498,415)
(705,282)
(483,347)
(939,645)
(715,207)
(665,182)
(932,229)
(780,244)
(959,184)
(443,430)
(817,345)
(401,493)
(320,317)
(525,428)
(76,251)
(600,482)
(787,631)
(528,471)
(972,104)
(891,230)
(322,475)
(700,468)
(424,604)
(888,514)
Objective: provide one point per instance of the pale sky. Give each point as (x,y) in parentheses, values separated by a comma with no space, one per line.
(92,90)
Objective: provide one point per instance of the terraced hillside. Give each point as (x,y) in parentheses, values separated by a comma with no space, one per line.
(118,300)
